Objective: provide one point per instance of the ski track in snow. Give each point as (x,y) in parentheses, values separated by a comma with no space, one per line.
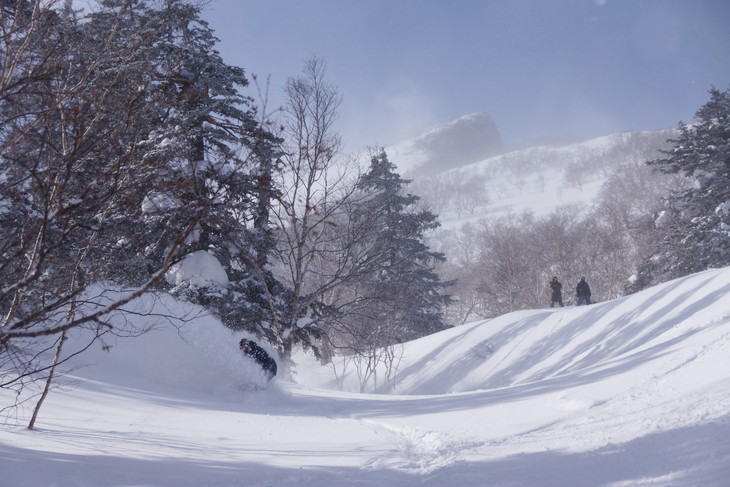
(418,450)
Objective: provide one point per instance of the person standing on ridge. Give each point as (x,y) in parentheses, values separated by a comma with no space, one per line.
(583,292)
(557,294)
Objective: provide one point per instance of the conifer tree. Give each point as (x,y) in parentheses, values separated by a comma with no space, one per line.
(124,146)
(227,158)
(695,223)
(75,114)
(405,293)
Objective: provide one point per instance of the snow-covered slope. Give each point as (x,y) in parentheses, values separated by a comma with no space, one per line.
(470,177)
(469,138)
(605,339)
(632,392)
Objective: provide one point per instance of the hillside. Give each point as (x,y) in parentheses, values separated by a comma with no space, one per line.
(460,186)
(631,392)
(467,139)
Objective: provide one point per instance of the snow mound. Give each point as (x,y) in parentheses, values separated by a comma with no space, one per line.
(631,393)
(199,269)
(169,345)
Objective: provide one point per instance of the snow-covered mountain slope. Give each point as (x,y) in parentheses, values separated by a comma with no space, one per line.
(469,138)
(460,188)
(632,392)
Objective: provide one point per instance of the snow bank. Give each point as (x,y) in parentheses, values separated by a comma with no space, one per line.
(199,269)
(169,344)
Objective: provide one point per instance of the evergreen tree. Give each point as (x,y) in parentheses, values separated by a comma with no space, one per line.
(76,112)
(404,293)
(224,160)
(124,146)
(72,157)
(695,223)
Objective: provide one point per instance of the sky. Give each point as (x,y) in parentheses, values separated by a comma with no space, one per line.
(539,68)
(632,392)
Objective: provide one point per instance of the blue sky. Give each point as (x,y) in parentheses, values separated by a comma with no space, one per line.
(540,68)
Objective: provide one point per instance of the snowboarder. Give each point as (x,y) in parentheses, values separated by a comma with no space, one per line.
(557,295)
(252,349)
(583,292)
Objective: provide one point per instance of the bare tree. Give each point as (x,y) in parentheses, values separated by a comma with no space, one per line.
(315,184)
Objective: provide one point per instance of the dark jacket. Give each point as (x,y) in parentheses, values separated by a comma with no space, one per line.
(583,290)
(252,349)
(556,286)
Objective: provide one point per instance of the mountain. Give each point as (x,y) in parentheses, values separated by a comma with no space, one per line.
(462,172)
(632,392)
(467,139)
(539,179)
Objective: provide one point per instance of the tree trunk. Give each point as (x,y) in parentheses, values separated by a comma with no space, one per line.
(49,380)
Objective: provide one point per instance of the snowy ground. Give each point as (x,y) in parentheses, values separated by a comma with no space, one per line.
(631,392)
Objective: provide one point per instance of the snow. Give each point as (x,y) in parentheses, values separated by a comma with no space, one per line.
(663,220)
(723,209)
(159,202)
(469,138)
(198,269)
(540,179)
(304,322)
(630,392)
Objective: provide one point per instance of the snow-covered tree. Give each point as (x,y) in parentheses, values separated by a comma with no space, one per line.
(212,158)
(74,117)
(389,291)
(406,295)
(695,223)
(125,146)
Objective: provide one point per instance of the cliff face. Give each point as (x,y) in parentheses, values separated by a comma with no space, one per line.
(463,141)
